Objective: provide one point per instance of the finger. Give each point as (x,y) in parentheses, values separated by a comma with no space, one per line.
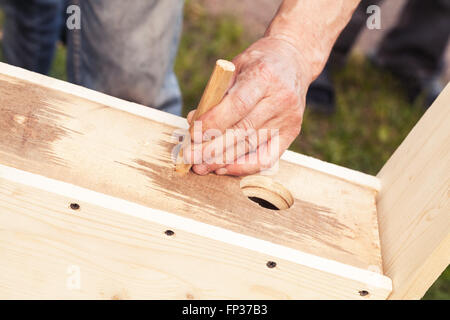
(264,158)
(220,151)
(262,116)
(190,116)
(235,143)
(241,99)
(239,145)
(238,142)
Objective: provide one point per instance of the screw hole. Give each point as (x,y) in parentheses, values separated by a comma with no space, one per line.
(74,206)
(363,293)
(169,233)
(271,264)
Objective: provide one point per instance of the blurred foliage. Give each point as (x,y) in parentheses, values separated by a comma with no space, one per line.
(59,64)
(372,118)
(206,38)
(441,288)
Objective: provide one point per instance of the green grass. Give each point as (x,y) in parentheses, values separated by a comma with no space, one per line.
(59,64)
(205,39)
(372,118)
(58,69)
(441,288)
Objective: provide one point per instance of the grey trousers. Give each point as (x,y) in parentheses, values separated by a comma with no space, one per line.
(124,48)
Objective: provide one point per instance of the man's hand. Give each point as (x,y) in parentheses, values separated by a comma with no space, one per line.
(268,92)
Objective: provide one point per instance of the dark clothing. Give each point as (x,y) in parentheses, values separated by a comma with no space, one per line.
(31,31)
(125,49)
(414,48)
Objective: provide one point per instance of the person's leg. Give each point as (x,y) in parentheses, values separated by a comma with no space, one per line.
(413,50)
(127,49)
(31,31)
(321,96)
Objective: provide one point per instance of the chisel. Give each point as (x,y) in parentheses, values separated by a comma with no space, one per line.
(215,91)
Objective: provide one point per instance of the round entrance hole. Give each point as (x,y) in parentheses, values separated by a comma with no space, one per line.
(266,192)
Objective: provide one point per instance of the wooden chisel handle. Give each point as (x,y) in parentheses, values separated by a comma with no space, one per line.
(214,92)
(216,88)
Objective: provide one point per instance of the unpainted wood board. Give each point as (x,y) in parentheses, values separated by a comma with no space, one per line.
(414,204)
(352,176)
(49,251)
(75,140)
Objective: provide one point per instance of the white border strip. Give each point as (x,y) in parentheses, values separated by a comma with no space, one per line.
(175,121)
(366,277)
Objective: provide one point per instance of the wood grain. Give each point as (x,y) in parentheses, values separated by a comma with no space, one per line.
(127,254)
(107,150)
(349,175)
(125,151)
(414,204)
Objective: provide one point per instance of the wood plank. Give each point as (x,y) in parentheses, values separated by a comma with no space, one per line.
(75,140)
(414,205)
(60,141)
(120,251)
(343,173)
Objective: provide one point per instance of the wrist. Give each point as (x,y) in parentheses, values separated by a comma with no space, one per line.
(309,65)
(312,27)
(311,49)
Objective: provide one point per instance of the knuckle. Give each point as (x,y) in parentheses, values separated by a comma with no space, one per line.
(296,131)
(240,105)
(297,116)
(245,124)
(210,121)
(290,97)
(293,124)
(252,142)
(265,72)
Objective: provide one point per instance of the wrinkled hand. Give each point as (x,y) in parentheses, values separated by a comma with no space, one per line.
(268,92)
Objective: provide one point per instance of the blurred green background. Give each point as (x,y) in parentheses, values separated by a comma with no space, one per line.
(372,118)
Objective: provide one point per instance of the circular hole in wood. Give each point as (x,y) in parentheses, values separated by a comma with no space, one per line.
(363,293)
(271,264)
(267,193)
(74,206)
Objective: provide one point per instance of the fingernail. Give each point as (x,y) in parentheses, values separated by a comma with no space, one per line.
(201,169)
(221,171)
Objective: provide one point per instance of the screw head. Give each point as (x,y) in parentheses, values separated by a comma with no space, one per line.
(169,233)
(74,206)
(271,264)
(363,293)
